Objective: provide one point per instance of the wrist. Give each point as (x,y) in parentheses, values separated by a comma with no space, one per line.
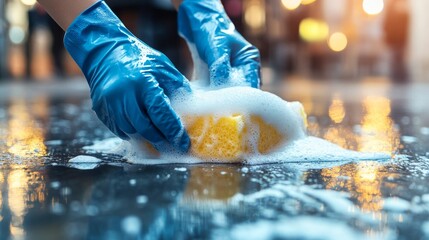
(94,30)
(65,12)
(193,14)
(176,3)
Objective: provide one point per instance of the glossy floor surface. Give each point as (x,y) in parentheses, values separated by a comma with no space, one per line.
(44,196)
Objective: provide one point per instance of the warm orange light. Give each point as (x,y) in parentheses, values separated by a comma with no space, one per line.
(338,136)
(364,183)
(307,2)
(313,30)
(291,4)
(211,185)
(378,131)
(254,16)
(337,111)
(373,7)
(25,138)
(1,195)
(28,2)
(17,189)
(337,42)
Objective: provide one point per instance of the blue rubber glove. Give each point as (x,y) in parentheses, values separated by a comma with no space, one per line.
(206,25)
(129,81)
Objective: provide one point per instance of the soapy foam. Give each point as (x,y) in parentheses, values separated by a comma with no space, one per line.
(202,77)
(275,111)
(246,101)
(284,116)
(239,121)
(305,150)
(84,162)
(295,228)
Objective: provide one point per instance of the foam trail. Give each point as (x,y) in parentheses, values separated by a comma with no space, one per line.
(287,118)
(312,149)
(305,150)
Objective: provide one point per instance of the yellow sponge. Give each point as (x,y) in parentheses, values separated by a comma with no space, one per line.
(229,137)
(211,137)
(269,136)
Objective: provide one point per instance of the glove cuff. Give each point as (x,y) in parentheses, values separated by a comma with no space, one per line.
(92,33)
(193,13)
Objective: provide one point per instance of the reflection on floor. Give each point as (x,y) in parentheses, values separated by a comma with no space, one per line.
(43,197)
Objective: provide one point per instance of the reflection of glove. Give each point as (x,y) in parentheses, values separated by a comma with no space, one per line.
(129,81)
(219,45)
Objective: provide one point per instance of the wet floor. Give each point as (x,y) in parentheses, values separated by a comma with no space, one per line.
(44,196)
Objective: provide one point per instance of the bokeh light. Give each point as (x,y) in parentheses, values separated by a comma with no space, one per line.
(313,30)
(28,2)
(378,129)
(373,7)
(255,16)
(307,2)
(16,35)
(337,42)
(336,110)
(291,4)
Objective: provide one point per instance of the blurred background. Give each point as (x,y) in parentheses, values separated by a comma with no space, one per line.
(311,39)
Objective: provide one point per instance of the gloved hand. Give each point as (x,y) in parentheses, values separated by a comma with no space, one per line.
(206,25)
(129,81)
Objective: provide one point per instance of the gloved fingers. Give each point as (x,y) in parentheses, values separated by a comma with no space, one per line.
(220,71)
(251,72)
(165,119)
(248,60)
(117,112)
(172,81)
(118,132)
(141,122)
(109,120)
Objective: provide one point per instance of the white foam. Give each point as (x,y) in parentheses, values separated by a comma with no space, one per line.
(312,149)
(306,150)
(265,193)
(182,169)
(109,145)
(84,159)
(336,201)
(84,162)
(296,228)
(245,101)
(396,204)
(409,139)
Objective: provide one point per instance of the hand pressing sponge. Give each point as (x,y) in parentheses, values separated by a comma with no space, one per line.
(230,138)
(230,124)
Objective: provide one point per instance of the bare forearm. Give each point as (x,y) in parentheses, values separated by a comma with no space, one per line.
(65,11)
(176,3)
